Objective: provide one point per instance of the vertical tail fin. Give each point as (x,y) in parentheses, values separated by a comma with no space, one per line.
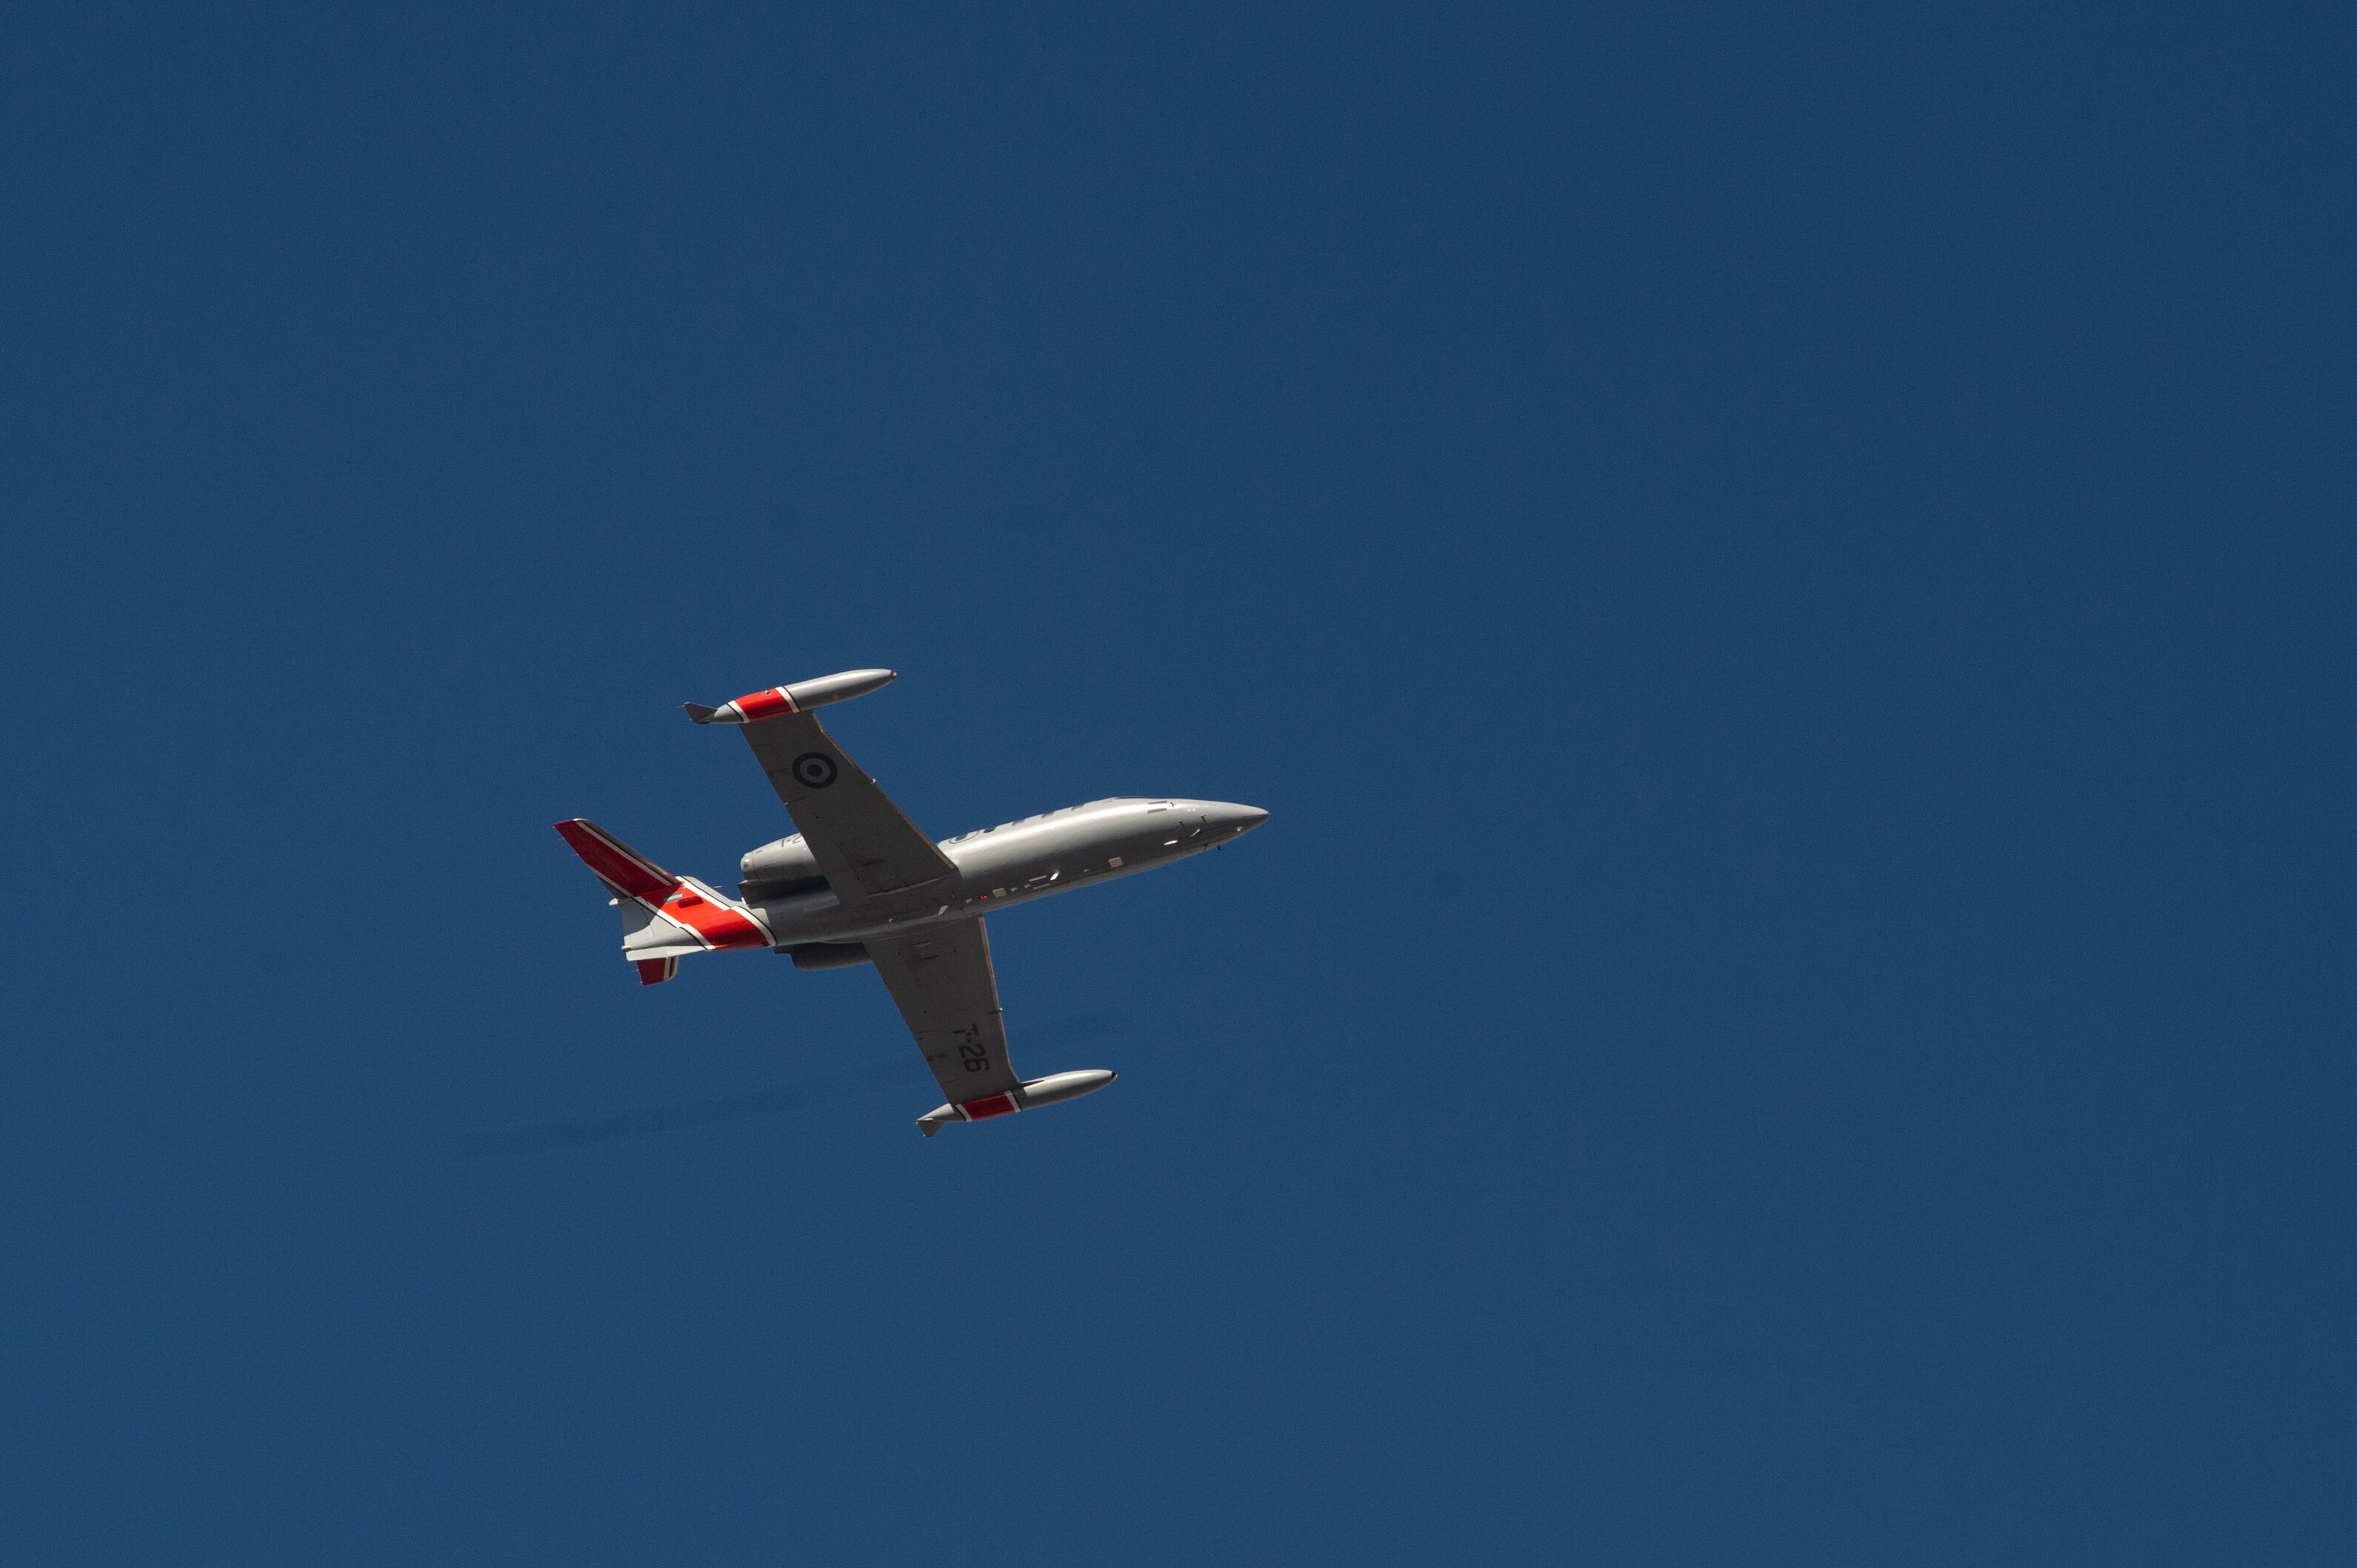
(664,916)
(618,865)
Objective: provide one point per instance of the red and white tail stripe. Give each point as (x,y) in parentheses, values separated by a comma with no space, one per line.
(711,918)
(618,865)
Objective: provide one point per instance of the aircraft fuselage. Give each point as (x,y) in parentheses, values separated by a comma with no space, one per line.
(1014,863)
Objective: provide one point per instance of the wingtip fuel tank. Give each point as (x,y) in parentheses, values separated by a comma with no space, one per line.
(1048,1091)
(798,698)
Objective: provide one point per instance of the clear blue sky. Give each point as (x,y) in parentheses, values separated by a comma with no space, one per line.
(1787,580)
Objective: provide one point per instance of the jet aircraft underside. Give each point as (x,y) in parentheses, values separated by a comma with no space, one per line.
(858,882)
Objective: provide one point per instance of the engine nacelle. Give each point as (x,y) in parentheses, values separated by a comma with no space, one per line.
(828,955)
(780,870)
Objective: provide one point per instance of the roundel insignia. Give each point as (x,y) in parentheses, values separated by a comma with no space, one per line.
(815,770)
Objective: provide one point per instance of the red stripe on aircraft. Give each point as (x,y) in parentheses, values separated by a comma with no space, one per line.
(718,922)
(989,1105)
(772,703)
(617,865)
(655,970)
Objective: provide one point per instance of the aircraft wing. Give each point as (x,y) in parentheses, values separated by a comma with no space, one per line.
(864,845)
(941,980)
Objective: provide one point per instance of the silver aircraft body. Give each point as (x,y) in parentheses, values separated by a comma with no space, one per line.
(860,884)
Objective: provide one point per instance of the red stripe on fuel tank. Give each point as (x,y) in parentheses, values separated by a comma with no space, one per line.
(772,703)
(989,1105)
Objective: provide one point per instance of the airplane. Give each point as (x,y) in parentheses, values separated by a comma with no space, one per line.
(858,882)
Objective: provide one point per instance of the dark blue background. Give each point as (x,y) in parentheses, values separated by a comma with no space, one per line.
(1787,580)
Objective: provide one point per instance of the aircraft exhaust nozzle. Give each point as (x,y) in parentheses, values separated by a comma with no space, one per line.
(798,698)
(1048,1091)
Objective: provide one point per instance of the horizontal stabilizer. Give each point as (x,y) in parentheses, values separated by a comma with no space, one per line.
(646,935)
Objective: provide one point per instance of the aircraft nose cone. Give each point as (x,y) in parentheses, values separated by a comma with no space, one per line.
(1248,818)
